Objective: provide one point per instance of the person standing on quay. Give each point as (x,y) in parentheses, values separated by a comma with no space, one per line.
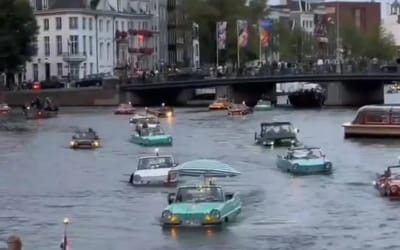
(14,243)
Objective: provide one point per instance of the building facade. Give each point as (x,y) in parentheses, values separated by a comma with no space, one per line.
(78,38)
(391,22)
(180,41)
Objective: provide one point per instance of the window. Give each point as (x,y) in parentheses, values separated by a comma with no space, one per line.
(59,45)
(101,51)
(84,44)
(73,23)
(90,45)
(376,118)
(123,26)
(83,23)
(46,46)
(90,24)
(145,24)
(84,69)
(59,69)
(35,70)
(108,26)
(58,23)
(91,68)
(108,51)
(46,24)
(45,4)
(116,25)
(395,118)
(357,16)
(100,25)
(35,48)
(197,50)
(73,45)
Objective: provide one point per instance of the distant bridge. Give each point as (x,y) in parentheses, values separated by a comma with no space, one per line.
(342,89)
(271,79)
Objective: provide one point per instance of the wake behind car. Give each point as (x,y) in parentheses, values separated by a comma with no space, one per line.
(85,140)
(388,184)
(125,109)
(155,171)
(202,205)
(162,112)
(277,134)
(304,160)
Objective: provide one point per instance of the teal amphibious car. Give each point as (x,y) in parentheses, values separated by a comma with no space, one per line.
(304,161)
(202,205)
(151,136)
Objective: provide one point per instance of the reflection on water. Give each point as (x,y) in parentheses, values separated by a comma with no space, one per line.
(43,181)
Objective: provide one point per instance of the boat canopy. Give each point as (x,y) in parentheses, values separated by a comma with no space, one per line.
(367,113)
(206,168)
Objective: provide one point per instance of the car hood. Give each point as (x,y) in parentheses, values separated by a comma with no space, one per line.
(308,162)
(153,172)
(394,182)
(195,208)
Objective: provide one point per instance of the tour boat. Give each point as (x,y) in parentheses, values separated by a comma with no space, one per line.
(374,121)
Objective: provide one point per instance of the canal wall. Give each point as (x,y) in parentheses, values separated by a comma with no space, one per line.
(65,97)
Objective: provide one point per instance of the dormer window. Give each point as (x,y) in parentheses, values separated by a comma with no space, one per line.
(45,4)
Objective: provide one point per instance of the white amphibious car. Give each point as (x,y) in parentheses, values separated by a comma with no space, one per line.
(154,171)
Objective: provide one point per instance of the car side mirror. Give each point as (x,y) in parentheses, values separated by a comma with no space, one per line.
(171,198)
(297,130)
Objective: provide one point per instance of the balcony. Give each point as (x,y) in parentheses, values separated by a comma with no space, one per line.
(74,57)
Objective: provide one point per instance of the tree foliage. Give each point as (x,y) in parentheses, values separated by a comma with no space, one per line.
(18,31)
(208,12)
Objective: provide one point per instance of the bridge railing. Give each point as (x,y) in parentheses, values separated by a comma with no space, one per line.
(264,71)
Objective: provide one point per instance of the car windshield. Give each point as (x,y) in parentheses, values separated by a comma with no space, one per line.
(277,129)
(395,173)
(124,106)
(85,135)
(152,131)
(148,120)
(305,153)
(200,194)
(155,162)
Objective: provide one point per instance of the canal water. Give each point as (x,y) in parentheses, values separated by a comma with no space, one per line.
(42,181)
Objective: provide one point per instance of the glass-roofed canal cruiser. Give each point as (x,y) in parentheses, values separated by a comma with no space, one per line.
(374,121)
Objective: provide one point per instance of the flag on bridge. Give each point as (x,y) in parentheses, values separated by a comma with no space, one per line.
(265,29)
(243,33)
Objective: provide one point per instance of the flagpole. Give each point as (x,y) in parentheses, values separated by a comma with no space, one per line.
(217,39)
(237,44)
(259,38)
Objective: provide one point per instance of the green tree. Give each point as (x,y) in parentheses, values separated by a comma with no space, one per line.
(374,43)
(18,31)
(293,45)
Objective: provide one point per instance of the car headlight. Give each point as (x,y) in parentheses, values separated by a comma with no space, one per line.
(72,143)
(96,143)
(215,214)
(169,114)
(166,214)
(137,178)
(328,165)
